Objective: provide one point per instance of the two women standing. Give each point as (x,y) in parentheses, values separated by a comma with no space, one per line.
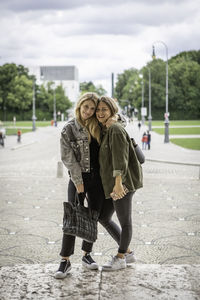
(80,144)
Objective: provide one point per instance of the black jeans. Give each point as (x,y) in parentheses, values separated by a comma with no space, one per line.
(123,208)
(106,208)
(94,189)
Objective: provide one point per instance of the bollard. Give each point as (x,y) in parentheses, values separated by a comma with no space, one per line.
(59,169)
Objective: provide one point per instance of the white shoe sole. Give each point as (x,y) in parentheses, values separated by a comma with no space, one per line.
(107,269)
(90,267)
(61,275)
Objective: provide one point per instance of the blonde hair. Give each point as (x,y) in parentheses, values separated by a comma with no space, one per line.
(90,124)
(111,103)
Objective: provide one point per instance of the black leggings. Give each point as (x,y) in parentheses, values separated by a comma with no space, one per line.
(106,208)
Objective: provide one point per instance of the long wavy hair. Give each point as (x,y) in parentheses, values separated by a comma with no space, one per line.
(90,124)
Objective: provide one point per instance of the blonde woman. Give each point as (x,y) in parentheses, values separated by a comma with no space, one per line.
(80,143)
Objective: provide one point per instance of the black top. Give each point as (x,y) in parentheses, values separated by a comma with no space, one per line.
(94,154)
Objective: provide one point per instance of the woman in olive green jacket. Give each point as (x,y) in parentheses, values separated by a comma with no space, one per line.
(121,175)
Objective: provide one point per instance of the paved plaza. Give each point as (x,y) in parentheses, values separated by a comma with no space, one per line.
(166,225)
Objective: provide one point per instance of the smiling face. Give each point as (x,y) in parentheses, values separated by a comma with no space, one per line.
(103,112)
(87,110)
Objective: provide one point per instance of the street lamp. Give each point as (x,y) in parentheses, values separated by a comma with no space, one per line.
(150,117)
(166,139)
(54,107)
(33,116)
(142,109)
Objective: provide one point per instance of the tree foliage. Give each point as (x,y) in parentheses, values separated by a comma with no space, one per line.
(16,94)
(90,87)
(183,86)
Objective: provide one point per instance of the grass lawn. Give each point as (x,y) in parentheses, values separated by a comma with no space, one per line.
(13,131)
(184,130)
(27,124)
(175,123)
(193,144)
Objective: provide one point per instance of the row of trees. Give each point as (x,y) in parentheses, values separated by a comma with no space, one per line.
(16,95)
(16,90)
(184,86)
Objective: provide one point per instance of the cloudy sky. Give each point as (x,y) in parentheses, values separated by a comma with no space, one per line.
(98,37)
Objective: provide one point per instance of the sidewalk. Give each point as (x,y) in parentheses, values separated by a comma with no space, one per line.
(166,219)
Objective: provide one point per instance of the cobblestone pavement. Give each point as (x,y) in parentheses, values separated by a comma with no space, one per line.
(166,222)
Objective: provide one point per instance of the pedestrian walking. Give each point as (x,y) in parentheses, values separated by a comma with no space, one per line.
(139,125)
(144,141)
(19,134)
(117,172)
(1,139)
(148,140)
(80,143)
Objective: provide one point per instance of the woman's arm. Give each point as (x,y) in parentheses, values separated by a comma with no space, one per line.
(68,158)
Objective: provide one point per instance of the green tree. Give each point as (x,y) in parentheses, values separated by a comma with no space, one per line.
(90,87)
(185,89)
(45,99)
(20,97)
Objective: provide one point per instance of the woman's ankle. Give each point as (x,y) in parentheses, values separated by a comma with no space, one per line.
(65,257)
(120,255)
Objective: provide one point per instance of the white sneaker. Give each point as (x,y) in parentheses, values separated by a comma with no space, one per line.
(130,257)
(115,264)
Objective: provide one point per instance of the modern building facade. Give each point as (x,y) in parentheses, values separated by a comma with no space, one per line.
(65,75)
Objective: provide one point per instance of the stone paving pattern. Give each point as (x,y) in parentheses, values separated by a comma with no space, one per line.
(166,226)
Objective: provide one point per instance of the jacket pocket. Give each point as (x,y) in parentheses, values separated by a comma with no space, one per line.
(76,150)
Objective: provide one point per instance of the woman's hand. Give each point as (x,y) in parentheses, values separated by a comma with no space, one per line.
(80,188)
(111,120)
(118,192)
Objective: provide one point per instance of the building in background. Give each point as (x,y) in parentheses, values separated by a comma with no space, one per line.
(65,75)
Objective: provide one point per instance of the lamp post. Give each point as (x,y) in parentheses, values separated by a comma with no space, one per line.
(54,108)
(142,112)
(33,116)
(150,117)
(166,121)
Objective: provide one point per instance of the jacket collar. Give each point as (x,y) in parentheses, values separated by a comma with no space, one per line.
(78,125)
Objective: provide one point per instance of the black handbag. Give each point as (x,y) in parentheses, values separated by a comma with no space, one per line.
(138,151)
(80,221)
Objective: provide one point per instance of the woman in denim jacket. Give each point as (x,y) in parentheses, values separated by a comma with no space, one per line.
(80,142)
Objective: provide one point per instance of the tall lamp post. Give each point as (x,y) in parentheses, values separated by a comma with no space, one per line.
(33,116)
(54,107)
(166,121)
(142,109)
(150,117)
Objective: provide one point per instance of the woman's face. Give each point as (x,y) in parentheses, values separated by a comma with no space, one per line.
(87,109)
(103,112)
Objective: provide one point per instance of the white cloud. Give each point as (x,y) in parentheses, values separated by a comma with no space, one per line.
(99,37)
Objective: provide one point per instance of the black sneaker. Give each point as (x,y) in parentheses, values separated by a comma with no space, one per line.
(64,268)
(89,263)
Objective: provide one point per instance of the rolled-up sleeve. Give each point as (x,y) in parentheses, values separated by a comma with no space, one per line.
(120,152)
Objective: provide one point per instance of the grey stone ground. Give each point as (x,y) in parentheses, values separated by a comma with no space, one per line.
(166,226)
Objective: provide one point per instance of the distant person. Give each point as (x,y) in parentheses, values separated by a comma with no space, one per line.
(148,139)
(139,125)
(1,139)
(144,141)
(19,134)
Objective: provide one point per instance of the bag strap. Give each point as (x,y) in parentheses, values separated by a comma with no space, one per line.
(77,202)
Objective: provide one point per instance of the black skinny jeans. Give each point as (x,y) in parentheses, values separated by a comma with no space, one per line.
(94,189)
(106,208)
